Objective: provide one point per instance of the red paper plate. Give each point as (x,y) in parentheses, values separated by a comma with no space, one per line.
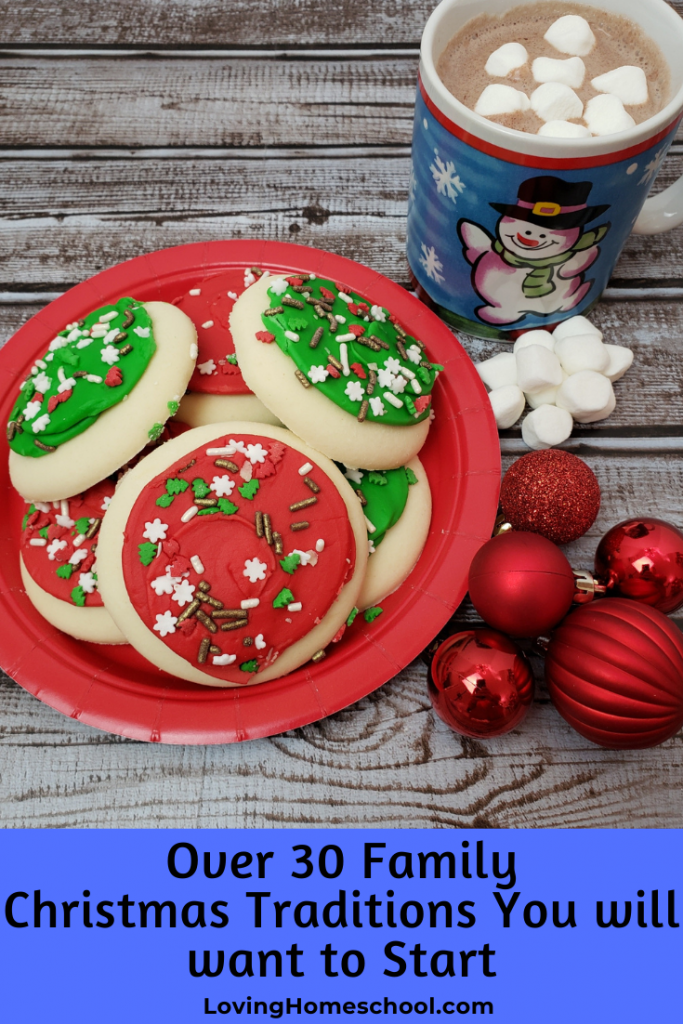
(114,688)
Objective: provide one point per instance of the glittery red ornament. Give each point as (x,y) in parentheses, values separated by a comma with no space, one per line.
(615,671)
(550,492)
(480,683)
(643,559)
(521,584)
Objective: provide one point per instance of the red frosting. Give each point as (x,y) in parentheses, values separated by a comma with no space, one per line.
(58,529)
(227,546)
(213,306)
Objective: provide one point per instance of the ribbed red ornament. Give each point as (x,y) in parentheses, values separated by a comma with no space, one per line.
(614,671)
(521,584)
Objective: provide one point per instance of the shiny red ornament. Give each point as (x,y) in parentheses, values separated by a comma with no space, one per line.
(550,492)
(521,584)
(480,683)
(614,671)
(643,559)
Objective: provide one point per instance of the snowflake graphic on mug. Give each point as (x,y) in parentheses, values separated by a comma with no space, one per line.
(446,178)
(431,263)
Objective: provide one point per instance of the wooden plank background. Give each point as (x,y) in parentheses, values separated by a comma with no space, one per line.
(133,126)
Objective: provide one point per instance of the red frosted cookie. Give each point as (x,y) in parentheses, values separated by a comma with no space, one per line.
(217,391)
(59,567)
(232,554)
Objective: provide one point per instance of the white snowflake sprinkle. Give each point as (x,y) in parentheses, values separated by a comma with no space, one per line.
(414,353)
(318,374)
(377,313)
(259,642)
(142,332)
(431,263)
(106,502)
(354,475)
(208,367)
(182,592)
(164,584)
(87,583)
(222,486)
(377,406)
(155,531)
(41,423)
(392,364)
(42,383)
(66,385)
(256,453)
(398,385)
(54,547)
(235,446)
(354,391)
(385,378)
(224,659)
(109,355)
(279,287)
(58,343)
(254,570)
(78,556)
(165,623)
(66,521)
(32,409)
(446,179)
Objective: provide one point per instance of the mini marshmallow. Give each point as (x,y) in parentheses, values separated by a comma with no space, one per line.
(546,397)
(605,115)
(501,99)
(537,369)
(571,34)
(544,338)
(573,326)
(582,352)
(546,426)
(569,72)
(507,404)
(587,396)
(627,82)
(563,130)
(620,359)
(505,59)
(555,102)
(498,371)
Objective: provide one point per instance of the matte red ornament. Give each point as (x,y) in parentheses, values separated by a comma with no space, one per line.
(643,559)
(551,492)
(480,683)
(615,672)
(521,584)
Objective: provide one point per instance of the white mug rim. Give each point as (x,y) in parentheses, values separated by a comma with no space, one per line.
(524,142)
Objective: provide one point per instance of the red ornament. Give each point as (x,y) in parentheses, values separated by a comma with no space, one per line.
(550,492)
(480,683)
(521,584)
(643,559)
(615,672)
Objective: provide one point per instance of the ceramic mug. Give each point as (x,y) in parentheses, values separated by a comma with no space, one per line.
(472,179)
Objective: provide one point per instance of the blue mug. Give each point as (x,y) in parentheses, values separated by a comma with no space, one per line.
(509,231)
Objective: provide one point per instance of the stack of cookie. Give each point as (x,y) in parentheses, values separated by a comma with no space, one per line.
(236,542)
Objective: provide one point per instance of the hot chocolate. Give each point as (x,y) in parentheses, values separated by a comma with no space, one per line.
(560,69)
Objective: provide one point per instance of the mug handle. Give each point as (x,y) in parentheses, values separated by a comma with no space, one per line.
(661,212)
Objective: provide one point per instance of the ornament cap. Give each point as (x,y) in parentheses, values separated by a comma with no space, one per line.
(588,586)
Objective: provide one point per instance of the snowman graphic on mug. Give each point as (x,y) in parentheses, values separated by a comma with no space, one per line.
(538,261)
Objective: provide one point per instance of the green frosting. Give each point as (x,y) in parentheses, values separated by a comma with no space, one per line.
(408,391)
(386,494)
(77,365)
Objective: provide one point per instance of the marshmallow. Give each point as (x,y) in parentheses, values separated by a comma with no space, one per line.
(544,338)
(588,396)
(498,371)
(505,59)
(605,115)
(507,404)
(546,397)
(569,72)
(582,352)
(573,326)
(571,34)
(555,102)
(537,368)
(628,83)
(620,359)
(563,130)
(501,99)
(546,427)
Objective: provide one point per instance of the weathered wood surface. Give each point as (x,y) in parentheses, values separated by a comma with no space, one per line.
(210,23)
(112,154)
(63,220)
